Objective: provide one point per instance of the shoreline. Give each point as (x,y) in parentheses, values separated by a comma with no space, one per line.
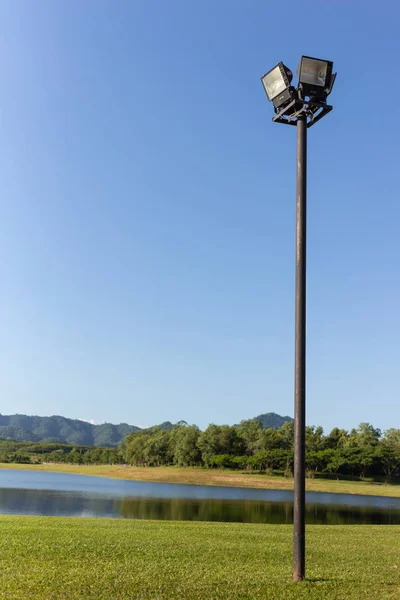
(212,477)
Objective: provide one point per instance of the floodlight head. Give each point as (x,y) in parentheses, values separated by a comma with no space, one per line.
(315,78)
(277,85)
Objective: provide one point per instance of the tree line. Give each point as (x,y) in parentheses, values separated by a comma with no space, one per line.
(364,451)
(360,452)
(12,451)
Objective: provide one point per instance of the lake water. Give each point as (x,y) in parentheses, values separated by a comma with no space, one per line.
(24,492)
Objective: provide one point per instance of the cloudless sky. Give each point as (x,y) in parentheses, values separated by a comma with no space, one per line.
(147,202)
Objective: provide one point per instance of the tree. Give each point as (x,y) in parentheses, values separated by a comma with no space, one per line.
(231,440)
(75,456)
(272,459)
(287,434)
(222,461)
(389,452)
(336,439)
(367,458)
(126,441)
(56,456)
(364,436)
(360,459)
(183,445)
(250,432)
(269,439)
(240,462)
(134,450)
(368,435)
(336,462)
(219,439)
(317,460)
(155,451)
(315,440)
(261,460)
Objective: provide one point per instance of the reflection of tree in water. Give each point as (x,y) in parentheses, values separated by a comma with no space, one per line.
(355,515)
(251,511)
(179,509)
(50,502)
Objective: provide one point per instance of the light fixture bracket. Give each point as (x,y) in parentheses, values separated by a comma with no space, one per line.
(314,112)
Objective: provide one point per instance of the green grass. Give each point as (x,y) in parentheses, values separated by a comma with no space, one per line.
(51,558)
(199,476)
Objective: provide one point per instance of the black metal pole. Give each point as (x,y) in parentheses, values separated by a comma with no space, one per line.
(300,354)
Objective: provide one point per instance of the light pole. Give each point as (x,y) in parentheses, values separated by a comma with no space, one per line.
(303,107)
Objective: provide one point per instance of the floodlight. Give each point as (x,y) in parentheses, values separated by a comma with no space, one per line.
(315,78)
(277,85)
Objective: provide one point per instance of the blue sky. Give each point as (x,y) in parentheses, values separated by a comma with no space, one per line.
(148,212)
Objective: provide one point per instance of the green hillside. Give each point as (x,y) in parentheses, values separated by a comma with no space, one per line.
(60,430)
(272,420)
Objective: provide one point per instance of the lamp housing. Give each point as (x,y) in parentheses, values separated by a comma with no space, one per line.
(277,85)
(315,78)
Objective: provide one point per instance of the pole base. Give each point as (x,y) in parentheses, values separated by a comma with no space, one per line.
(298,577)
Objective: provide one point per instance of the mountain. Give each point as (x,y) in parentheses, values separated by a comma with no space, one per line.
(24,428)
(166,426)
(272,420)
(62,430)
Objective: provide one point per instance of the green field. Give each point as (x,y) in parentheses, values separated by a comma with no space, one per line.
(50,558)
(201,476)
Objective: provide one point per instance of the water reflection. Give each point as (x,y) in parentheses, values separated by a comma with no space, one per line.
(67,503)
(252,511)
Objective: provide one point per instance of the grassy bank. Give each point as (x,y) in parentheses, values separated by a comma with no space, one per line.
(196,475)
(49,558)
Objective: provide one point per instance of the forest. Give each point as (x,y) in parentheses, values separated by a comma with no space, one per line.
(360,452)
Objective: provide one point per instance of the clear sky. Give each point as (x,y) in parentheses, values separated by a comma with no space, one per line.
(148,212)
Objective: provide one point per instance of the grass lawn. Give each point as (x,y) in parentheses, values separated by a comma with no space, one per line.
(196,475)
(50,558)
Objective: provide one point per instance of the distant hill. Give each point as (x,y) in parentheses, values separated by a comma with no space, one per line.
(62,430)
(166,426)
(24,428)
(272,420)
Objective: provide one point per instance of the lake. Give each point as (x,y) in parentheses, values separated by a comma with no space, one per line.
(24,492)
